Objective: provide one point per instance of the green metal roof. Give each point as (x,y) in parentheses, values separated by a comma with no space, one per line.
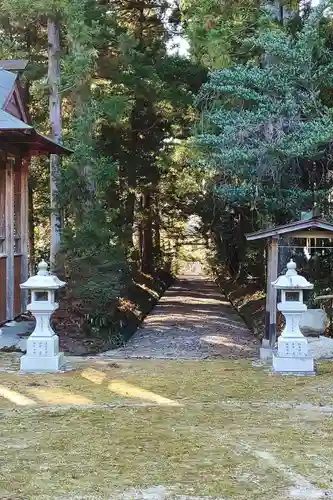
(10,122)
(7,82)
(16,132)
(7,120)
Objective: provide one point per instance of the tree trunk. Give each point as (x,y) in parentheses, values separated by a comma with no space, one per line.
(147,234)
(157,232)
(279,11)
(53,30)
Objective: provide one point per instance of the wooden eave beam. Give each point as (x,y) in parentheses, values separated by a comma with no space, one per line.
(11,149)
(310,234)
(291,229)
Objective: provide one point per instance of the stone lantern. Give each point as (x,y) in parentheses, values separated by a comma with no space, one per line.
(43,344)
(293,354)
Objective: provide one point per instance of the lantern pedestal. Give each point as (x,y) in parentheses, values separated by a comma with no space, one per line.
(293,350)
(42,355)
(43,344)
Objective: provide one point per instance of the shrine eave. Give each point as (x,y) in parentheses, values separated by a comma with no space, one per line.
(293,228)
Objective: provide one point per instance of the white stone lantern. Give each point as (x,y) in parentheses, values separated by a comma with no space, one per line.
(293,354)
(43,344)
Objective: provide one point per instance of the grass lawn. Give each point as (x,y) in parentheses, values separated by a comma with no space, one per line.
(146,429)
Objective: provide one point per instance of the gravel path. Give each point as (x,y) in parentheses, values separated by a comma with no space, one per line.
(192,321)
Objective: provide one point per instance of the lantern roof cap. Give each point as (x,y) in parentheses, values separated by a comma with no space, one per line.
(292,280)
(43,280)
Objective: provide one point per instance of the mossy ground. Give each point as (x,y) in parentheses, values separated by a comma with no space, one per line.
(199,428)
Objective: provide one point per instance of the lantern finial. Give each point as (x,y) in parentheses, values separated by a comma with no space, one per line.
(291,266)
(42,268)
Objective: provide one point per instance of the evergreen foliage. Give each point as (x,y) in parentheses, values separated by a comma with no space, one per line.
(265,132)
(123,96)
(216,28)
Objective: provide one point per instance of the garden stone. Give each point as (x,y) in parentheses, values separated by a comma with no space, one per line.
(321,347)
(313,322)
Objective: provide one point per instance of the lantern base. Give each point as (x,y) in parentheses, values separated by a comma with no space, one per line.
(43,364)
(293,366)
(42,354)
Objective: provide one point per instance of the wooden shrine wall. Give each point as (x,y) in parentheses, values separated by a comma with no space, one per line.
(3,288)
(13,235)
(3,254)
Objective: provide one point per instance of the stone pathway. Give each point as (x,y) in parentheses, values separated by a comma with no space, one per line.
(14,334)
(192,321)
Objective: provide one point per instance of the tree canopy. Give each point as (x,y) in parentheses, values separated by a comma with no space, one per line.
(237,133)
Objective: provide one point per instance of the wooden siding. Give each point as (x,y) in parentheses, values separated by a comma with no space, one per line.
(17,282)
(13,107)
(2,209)
(17,200)
(13,250)
(14,104)
(3,289)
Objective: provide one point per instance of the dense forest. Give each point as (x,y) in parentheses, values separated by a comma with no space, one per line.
(237,132)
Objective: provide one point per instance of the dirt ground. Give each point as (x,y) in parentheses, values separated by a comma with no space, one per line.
(193,320)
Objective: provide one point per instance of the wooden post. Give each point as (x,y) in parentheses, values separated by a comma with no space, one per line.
(53,30)
(3,253)
(268,288)
(272,273)
(10,238)
(24,229)
(273,294)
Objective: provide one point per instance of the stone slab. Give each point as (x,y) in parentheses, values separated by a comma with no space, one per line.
(266,354)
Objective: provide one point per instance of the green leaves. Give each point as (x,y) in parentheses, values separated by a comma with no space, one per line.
(216,29)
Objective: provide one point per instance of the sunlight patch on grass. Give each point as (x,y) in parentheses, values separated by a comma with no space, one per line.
(15,397)
(199,382)
(127,390)
(94,376)
(57,395)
